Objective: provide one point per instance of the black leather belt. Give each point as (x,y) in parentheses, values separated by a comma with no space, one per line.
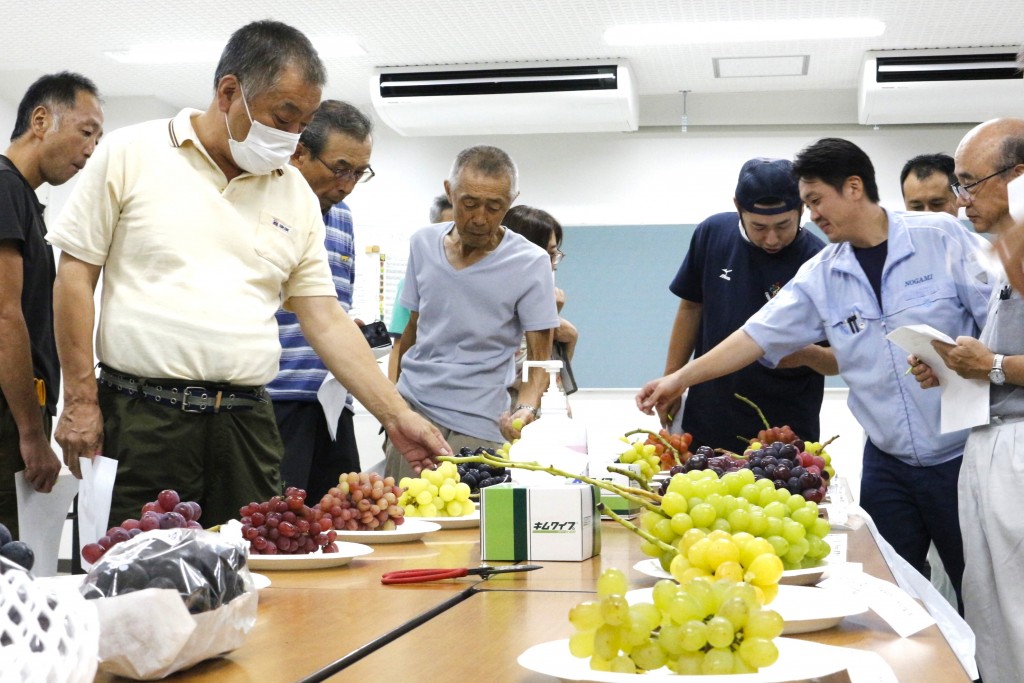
(190,397)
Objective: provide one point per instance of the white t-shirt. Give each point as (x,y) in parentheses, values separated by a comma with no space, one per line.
(470,324)
(194,266)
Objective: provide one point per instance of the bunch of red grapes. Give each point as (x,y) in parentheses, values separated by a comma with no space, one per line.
(168,511)
(363,501)
(773,434)
(680,442)
(285,525)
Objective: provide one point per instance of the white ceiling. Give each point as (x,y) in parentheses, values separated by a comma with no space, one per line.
(49,35)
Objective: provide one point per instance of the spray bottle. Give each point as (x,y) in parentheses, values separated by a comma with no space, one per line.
(554,438)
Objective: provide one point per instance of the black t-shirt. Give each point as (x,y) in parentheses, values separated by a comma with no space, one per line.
(872,261)
(733,279)
(21,221)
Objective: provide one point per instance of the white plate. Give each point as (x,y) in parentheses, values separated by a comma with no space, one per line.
(464,522)
(798,660)
(790,577)
(803,609)
(412,529)
(317,560)
(260,581)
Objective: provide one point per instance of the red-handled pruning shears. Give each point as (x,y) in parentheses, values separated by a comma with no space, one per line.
(423,575)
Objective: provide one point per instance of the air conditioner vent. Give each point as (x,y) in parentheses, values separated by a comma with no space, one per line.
(956,85)
(545,97)
(499,81)
(980,67)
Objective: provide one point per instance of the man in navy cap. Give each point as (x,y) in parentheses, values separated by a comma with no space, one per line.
(736,263)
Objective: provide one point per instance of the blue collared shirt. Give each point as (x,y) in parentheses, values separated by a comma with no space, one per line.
(934,275)
(302,372)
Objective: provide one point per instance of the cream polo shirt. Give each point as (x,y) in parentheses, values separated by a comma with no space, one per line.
(194,265)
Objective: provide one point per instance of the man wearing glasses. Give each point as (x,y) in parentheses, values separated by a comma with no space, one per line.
(988,158)
(200,230)
(333,155)
(737,262)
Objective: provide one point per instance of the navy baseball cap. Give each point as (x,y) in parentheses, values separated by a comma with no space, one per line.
(768,181)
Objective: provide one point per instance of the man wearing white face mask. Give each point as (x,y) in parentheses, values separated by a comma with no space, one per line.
(200,230)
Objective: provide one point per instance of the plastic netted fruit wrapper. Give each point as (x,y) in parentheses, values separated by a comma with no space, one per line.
(169,599)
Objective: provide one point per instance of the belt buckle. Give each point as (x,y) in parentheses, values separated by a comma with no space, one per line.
(204,398)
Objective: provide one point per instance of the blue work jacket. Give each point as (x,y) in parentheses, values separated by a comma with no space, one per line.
(934,274)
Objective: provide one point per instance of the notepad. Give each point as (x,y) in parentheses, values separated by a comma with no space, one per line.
(965,402)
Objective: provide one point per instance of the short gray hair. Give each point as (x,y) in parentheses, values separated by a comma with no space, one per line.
(439,206)
(257,53)
(335,116)
(491,161)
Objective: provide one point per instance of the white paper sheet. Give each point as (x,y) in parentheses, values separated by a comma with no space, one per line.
(95,490)
(332,396)
(965,402)
(41,518)
(1015,195)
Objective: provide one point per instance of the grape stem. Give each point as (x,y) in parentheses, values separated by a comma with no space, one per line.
(671,449)
(646,535)
(828,442)
(629,474)
(726,451)
(646,499)
(754,406)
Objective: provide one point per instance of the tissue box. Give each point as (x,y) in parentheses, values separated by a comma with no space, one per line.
(619,505)
(560,522)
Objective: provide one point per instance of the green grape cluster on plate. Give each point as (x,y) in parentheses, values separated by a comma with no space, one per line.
(701,627)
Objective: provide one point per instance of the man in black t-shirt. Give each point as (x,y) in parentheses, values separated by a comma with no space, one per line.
(738,261)
(58,124)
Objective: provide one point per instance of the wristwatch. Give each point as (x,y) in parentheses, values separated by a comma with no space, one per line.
(996,374)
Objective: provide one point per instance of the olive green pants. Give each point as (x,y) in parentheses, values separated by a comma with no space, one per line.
(222,461)
(11,462)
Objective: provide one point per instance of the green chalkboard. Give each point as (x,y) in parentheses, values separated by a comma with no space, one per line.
(616,285)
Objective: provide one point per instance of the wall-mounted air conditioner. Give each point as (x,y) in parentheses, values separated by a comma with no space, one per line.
(966,85)
(554,97)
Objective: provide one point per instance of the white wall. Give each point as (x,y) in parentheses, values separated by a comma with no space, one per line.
(654,176)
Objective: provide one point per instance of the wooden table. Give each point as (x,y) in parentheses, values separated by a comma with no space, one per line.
(343,623)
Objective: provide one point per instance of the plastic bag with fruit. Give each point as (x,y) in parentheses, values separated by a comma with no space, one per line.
(197,581)
(44,636)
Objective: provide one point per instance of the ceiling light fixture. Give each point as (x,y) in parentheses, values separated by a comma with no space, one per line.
(195,52)
(742,31)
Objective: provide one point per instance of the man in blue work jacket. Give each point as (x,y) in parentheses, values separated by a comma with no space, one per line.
(882,270)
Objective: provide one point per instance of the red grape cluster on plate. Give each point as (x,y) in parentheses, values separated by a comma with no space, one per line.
(285,525)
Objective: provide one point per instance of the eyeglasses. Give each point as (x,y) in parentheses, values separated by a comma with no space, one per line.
(348,173)
(557,257)
(963,192)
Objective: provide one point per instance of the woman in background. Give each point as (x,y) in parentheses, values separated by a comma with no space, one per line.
(541,228)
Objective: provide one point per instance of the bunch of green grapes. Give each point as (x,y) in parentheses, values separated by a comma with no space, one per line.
(700,627)
(645,455)
(436,493)
(749,511)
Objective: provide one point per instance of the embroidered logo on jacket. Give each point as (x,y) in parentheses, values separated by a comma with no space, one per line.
(725,274)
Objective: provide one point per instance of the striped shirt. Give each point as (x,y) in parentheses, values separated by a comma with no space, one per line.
(302,372)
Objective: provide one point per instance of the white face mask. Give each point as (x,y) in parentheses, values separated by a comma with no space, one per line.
(264,149)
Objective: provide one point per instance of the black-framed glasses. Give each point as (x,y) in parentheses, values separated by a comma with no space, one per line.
(964,191)
(348,173)
(557,256)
